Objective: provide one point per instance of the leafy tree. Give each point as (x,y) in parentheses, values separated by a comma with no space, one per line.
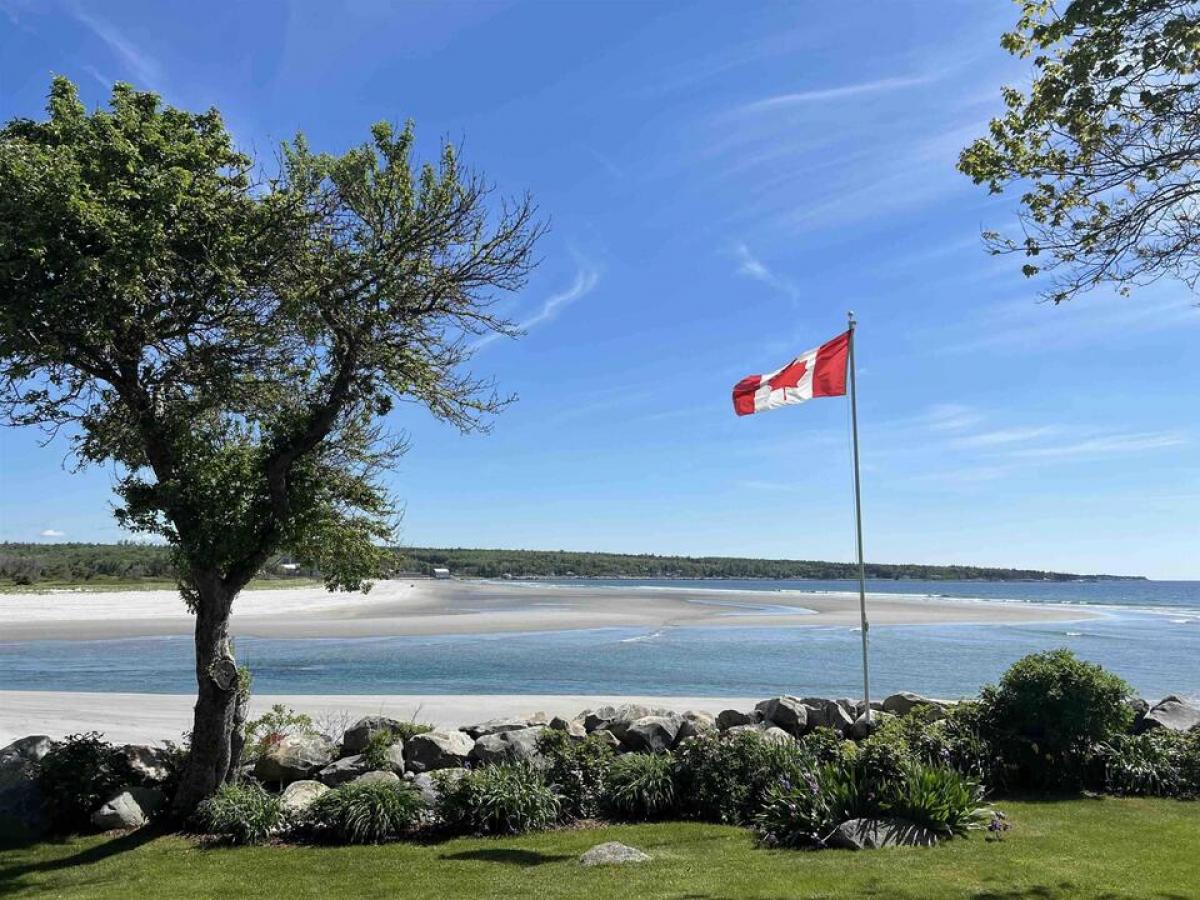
(1106,143)
(232,344)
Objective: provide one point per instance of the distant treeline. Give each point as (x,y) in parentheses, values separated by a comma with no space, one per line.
(565,564)
(33,564)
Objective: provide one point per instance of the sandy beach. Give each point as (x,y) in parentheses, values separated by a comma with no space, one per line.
(425,607)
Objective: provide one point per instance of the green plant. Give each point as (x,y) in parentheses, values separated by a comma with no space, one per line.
(406,730)
(826,746)
(507,798)
(77,775)
(937,798)
(723,777)
(376,752)
(576,770)
(364,813)
(240,814)
(1148,764)
(273,726)
(1189,764)
(1048,712)
(804,810)
(641,786)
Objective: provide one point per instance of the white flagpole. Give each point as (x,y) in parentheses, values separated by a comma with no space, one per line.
(862,577)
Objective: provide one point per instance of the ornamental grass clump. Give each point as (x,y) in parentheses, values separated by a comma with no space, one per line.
(507,798)
(935,797)
(364,813)
(1150,764)
(641,787)
(241,814)
(804,811)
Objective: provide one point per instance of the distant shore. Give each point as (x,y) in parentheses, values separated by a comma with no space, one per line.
(431,607)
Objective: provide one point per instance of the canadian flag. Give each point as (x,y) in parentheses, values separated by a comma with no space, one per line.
(814,373)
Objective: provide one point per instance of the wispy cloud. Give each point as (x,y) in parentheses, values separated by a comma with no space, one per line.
(52,532)
(1004,436)
(144,68)
(823,95)
(951,417)
(586,279)
(752,267)
(1107,445)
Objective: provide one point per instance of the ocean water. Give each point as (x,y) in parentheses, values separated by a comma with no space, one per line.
(1148,632)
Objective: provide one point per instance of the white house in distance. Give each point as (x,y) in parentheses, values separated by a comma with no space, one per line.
(441,573)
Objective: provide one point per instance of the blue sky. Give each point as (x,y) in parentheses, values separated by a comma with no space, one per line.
(724,181)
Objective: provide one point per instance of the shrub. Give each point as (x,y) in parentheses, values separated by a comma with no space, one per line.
(1189,764)
(365,813)
(826,746)
(576,770)
(272,727)
(1048,712)
(723,777)
(507,798)
(240,814)
(641,786)
(375,753)
(937,798)
(1148,764)
(79,774)
(406,730)
(804,812)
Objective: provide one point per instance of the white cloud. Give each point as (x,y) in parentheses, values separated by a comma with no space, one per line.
(752,267)
(823,95)
(145,69)
(1108,445)
(52,532)
(1004,436)
(586,279)
(951,417)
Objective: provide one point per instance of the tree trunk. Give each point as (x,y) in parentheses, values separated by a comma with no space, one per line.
(217,701)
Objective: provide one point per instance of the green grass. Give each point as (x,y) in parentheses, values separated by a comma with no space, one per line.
(1071,848)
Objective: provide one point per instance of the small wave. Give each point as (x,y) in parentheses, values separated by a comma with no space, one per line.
(1074,633)
(1182,621)
(641,637)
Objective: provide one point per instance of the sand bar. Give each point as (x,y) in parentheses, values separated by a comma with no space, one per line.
(153,718)
(426,607)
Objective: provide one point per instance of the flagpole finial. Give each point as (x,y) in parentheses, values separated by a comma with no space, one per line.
(850,317)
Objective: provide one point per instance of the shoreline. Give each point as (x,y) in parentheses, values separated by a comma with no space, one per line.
(428,608)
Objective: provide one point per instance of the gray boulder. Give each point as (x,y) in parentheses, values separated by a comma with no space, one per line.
(730,718)
(343,770)
(617,718)
(652,734)
(358,735)
(132,808)
(572,727)
(21,801)
(1173,713)
(901,704)
(759,728)
(377,777)
(777,735)
(607,737)
(428,785)
(294,758)
(873,834)
(437,750)
(299,795)
(824,713)
(508,746)
(612,854)
(787,713)
(513,723)
(695,723)
(150,763)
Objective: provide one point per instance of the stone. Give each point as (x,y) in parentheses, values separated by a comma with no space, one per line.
(695,723)
(824,713)
(300,795)
(777,735)
(131,808)
(293,758)
(358,735)
(652,734)
(21,800)
(730,718)
(607,737)
(617,718)
(901,704)
(508,746)
(437,750)
(746,729)
(570,726)
(378,777)
(873,834)
(149,763)
(428,785)
(613,854)
(787,713)
(1171,713)
(513,723)
(343,770)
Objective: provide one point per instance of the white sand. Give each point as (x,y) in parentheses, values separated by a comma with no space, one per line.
(152,718)
(422,607)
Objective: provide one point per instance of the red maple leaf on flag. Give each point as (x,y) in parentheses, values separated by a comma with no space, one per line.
(789,376)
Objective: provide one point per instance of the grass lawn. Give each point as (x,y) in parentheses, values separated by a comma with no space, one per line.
(1071,848)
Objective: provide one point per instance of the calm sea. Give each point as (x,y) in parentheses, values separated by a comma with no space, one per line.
(1148,632)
